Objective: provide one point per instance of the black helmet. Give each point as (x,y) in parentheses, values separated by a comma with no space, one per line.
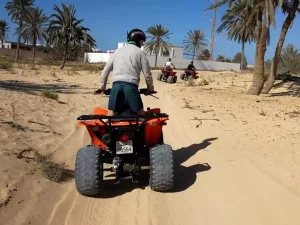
(136,35)
(192,62)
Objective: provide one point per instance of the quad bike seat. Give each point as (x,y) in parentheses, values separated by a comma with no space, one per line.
(127,112)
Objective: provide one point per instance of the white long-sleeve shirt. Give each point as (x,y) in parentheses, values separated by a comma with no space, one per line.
(127,63)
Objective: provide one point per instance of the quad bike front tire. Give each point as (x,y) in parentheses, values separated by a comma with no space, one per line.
(182,76)
(175,79)
(159,76)
(162,176)
(88,171)
(170,80)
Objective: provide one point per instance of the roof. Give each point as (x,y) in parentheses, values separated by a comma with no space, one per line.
(176,46)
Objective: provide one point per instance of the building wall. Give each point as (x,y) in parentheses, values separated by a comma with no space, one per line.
(176,53)
(5,45)
(178,62)
(199,64)
(95,57)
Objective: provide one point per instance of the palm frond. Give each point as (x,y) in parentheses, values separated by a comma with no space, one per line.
(195,41)
(34,25)
(4,29)
(157,35)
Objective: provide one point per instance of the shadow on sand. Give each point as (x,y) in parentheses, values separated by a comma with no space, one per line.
(185,176)
(34,88)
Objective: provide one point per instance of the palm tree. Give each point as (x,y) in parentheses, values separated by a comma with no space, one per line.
(194,42)
(16,11)
(158,34)
(34,27)
(262,13)
(233,22)
(289,59)
(289,7)
(204,55)
(221,58)
(64,29)
(4,29)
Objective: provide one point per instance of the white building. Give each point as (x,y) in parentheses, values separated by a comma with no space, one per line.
(95,57)
(175,53)
(5,45)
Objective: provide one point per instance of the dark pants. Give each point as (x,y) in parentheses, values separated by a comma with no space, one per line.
(125,94)
(187,73)
(168,68)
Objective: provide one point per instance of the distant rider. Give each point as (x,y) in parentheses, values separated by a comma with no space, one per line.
(168,65)
(191,68)
(127,63)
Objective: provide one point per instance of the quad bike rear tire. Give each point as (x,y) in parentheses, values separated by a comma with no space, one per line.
(159,76)
(182,76)
(88,170)
(162,176)
(170,79)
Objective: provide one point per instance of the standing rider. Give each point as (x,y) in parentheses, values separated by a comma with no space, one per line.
(127,63)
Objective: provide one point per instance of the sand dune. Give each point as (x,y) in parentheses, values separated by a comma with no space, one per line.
(237,156)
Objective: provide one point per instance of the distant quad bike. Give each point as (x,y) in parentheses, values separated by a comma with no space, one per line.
(169,77)
(192,75)
(121,141)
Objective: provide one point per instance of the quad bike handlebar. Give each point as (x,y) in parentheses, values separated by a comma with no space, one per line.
(143,91)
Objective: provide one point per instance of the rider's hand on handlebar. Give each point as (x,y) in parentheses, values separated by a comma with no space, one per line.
(98,92)
(151,92)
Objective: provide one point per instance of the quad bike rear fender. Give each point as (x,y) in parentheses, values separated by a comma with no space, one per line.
(152,127)
(171,72)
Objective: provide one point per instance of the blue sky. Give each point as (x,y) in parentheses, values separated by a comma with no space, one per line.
(110,19)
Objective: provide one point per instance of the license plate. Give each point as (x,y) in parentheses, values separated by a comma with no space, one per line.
(124,148)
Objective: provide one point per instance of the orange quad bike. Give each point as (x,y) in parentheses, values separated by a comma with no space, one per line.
(167,76)
(122,141)
(192,74)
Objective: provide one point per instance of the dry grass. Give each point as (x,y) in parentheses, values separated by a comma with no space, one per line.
(51,170)
(50,95)
(263,113)
(190,82)
(187,104)
(5,65)
(294,114)
(203,82)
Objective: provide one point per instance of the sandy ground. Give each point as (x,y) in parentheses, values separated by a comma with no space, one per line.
(237,156)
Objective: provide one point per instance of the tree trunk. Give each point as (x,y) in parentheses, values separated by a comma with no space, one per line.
(33,50)
(65,54)
(19,41)
(259,70)
(243,56)
(18,49)
(194,54)
(2,43)
(285,27)
(155,64)
(259,28)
